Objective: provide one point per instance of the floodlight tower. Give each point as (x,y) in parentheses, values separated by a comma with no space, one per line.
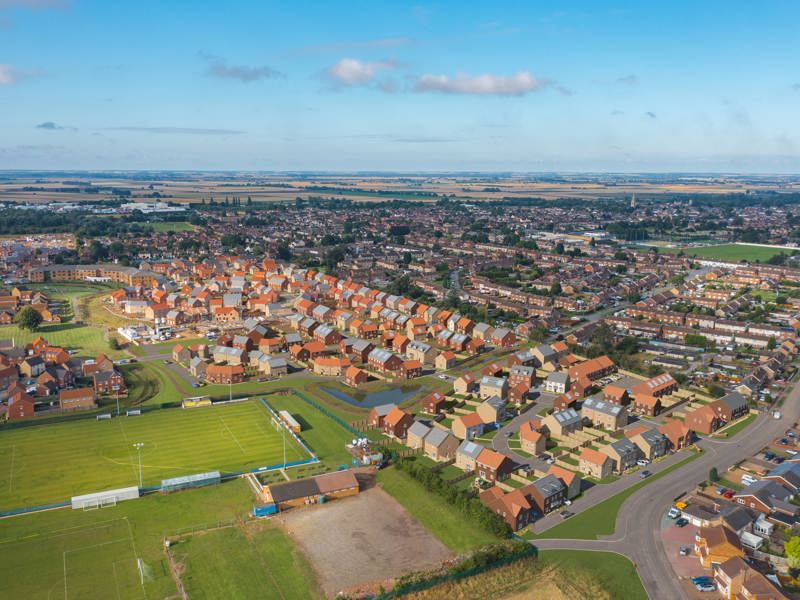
(139,446)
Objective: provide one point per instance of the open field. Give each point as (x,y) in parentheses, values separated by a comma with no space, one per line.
(441,519)
(87,341)
(165,226)
(374,539)
(55,555)
(273,187)
(50,463)
(253,560)
(728,252)
(601,519)
(554,575)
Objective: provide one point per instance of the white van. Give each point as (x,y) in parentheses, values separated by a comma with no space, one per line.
(748,479)
(674,513)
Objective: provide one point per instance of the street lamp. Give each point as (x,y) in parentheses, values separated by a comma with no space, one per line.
(139,446)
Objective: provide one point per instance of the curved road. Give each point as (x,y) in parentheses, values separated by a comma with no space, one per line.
(637,533)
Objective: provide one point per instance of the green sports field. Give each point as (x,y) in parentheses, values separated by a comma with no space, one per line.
(42,464)
(728,252)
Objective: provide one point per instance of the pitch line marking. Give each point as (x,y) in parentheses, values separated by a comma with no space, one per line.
(235,439)
(11,473)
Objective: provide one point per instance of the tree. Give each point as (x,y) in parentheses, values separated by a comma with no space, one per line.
(555,289)
(113,343)
(28,319)
(771,343)
(792,549)
(713,475)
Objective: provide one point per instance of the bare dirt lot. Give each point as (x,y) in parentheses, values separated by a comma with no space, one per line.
(363,539)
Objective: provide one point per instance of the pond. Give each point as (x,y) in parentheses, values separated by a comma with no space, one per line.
(395,396)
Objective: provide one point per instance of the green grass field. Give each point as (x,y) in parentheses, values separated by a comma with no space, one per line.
(88,341)
(67,554)
(441,519)
(247,561)
(729,252)
(612,573)
(176,226)
(50,463)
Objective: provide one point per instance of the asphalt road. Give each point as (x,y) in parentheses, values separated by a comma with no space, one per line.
(637,533)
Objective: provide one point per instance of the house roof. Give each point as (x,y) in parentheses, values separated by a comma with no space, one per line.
(437,437)
(594,457)
(492,459)
(419,429)
(470,449)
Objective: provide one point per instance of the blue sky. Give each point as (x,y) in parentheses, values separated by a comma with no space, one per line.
(516,86)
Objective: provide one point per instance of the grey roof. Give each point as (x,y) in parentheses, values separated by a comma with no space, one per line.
(420,346)
(568,416)
(384,409)
(766,490)
(549,485)
(437,437)
(419,429)
(493,381)
(523,370)
(653,437)
(360,345)
(277,362)
(496,402)
(470,449)
(379,354)
(735,401)
(597,404)
(558,377)
(625,447)
(292,338)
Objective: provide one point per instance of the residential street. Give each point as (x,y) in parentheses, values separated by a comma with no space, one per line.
(637,529)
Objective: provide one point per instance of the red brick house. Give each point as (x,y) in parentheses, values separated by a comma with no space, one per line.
(226,374)
(397,422)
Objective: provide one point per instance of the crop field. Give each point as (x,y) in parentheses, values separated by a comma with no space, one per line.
(728,252)
(42,464)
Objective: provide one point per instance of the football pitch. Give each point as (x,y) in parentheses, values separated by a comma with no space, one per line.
(44,464)
(72,562)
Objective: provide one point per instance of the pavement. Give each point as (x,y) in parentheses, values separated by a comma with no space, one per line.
(638,533)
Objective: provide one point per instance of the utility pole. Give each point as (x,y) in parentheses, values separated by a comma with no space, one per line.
(117,401)
(139,446)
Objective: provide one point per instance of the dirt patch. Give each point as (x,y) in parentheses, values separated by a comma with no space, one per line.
(366,538)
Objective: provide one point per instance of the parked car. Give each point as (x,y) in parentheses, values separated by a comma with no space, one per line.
(769,455)
(791,452)
(784,442)
(674,513)
(682,522)
(684,551)
(728,494)
(644,474)
(701,579)
(642,462)
(721,490)
(566,514)
(705,587)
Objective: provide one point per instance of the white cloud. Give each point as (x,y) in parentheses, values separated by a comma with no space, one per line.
(7,75)
(482,85)
(349,72)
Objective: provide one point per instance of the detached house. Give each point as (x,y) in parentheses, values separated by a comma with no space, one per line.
(440,445)
(492,466)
